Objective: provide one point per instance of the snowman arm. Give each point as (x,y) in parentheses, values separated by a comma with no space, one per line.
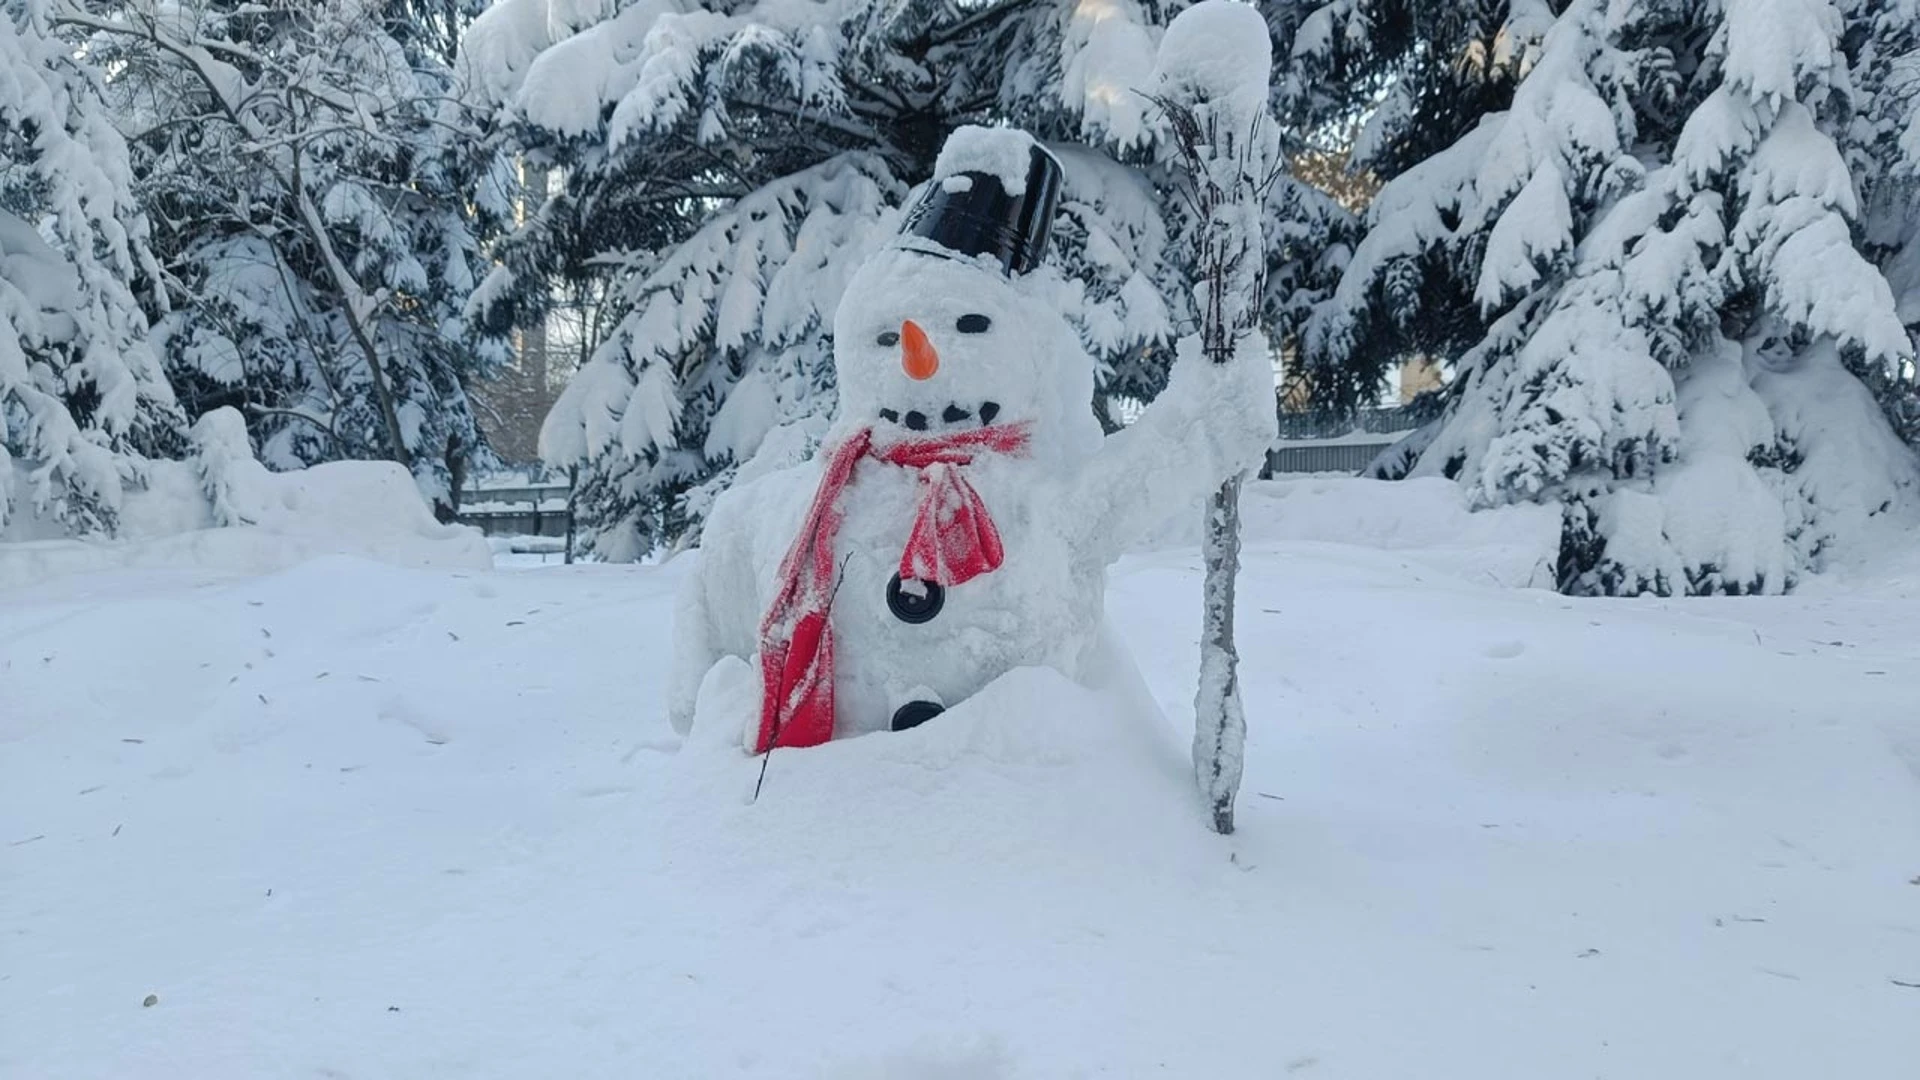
(1213,422)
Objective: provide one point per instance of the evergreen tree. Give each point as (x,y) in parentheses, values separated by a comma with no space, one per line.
(309,176)
(83,402)
(1403,82)
(725,169)
(1883,150)
(1655,238)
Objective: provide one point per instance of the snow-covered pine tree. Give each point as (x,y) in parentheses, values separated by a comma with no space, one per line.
(1882,146)
(1493,221)
(1656,235)
(315,193)
(1410,80)
(726,168)
(83,401)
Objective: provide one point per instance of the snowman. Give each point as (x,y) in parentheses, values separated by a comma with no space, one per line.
(960,515)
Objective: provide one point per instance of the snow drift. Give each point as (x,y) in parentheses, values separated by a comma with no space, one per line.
(222,512)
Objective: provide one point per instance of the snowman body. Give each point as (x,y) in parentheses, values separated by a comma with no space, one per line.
(1065,507)
(1046,611)
(930,343)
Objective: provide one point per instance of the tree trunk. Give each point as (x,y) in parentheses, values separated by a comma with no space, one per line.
(358,307)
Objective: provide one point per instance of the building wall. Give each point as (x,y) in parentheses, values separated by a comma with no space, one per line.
(512,407)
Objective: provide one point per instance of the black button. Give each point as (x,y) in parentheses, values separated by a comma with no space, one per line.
(909,608)
(915,713)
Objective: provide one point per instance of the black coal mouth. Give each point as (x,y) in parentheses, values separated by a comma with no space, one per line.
(952,416)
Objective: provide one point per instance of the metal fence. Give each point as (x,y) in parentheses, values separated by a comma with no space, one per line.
(1300,426)
(1343,458)
(1315,444)
(518,507)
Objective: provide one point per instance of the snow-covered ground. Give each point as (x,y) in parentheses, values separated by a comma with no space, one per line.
(351,819)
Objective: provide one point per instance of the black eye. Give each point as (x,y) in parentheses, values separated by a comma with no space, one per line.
(973,324)
(888,338)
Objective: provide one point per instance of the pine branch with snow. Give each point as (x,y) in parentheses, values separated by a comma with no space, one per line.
(1882,148)
(83,401)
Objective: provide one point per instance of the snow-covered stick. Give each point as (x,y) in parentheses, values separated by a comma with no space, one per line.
(1212,83)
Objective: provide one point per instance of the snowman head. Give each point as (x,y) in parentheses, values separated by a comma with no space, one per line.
(953,325)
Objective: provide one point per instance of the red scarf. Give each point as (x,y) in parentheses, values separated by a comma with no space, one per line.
(953,540)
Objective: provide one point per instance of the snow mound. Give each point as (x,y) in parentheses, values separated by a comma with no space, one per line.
(1426,521)
(1031,749)
(368,509)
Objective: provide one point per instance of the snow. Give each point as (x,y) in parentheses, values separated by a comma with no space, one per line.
(45,279)
(743,420)
(556,62)
(364,509)
(1107,54)
(1776,48)
(1535,230)
(1425,522)
(1217,51)
(352,818)
(1006,154)
(1854,470)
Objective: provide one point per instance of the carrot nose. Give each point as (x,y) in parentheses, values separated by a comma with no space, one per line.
(917,355)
